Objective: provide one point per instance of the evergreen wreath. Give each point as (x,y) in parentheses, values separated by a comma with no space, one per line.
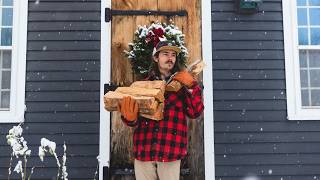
(146,38)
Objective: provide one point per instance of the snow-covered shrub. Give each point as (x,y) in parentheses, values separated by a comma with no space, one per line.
(20,150)
(48,146)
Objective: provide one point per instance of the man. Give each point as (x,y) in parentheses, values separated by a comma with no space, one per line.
(159,146)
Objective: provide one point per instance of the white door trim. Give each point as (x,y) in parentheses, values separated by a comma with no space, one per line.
(105,74)
(104,149)
(209,161)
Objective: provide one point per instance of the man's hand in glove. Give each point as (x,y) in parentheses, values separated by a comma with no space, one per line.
(128,107)
(184,78)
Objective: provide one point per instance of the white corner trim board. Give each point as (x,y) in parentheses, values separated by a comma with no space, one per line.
(105,63)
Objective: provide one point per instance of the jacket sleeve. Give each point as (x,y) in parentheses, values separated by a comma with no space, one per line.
(194,102)
(129,123)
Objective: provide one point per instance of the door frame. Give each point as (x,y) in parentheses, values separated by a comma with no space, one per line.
(105,54)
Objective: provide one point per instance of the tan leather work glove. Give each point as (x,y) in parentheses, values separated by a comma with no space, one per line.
(128,107)
(184,78)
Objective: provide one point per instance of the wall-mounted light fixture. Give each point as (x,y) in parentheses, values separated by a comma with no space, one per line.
(247,6)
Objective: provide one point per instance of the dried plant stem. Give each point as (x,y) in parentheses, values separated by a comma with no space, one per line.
(21,174)
(31,172)
(25,167)
(95,173)
(10,164)
(58,163)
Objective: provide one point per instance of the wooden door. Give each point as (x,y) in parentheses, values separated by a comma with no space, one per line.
(123,28)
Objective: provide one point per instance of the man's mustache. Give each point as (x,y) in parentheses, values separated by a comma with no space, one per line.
(169,62)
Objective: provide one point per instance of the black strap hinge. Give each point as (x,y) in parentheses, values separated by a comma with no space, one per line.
(109,87)
(111,12)
(106,173)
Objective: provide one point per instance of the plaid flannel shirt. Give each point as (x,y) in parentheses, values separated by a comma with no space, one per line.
(166,140)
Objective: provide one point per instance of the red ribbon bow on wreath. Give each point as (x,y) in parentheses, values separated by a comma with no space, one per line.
(154,36)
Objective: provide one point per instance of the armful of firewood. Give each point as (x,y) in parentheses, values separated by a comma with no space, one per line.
(148,94)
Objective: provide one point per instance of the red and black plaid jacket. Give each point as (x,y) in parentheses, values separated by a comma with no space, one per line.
(166,140)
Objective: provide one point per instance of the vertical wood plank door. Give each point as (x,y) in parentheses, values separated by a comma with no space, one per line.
(123,28)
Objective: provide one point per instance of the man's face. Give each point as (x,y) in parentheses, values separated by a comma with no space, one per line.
(166,60)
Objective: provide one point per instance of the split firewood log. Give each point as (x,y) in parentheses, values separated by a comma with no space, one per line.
(137,91)
(157,84)
(147,105)
(158,115)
